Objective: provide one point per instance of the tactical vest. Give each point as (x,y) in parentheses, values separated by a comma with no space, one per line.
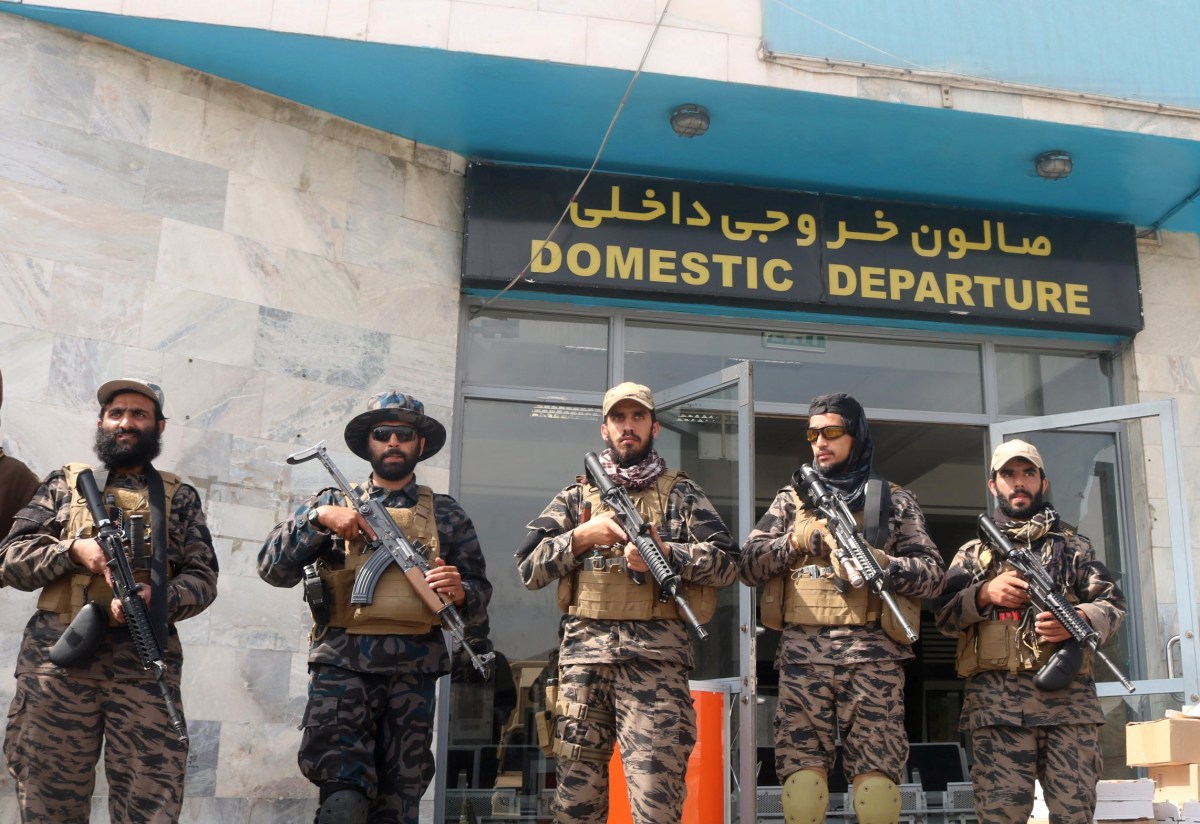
(68,594)
(994,644)
(806,593)
(601,586)
(396,609)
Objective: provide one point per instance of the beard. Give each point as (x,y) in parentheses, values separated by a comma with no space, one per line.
(392,470)
(115,455)
(1023,511)
(633,455)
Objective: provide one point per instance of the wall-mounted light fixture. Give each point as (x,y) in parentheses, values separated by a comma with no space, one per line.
(689,120)
(1054,165)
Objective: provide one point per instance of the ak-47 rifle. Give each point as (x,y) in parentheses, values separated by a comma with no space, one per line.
(382,533)
(112,540)
(852,547)
(669,582)
(1064,664)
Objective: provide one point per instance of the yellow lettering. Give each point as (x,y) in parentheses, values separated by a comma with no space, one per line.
(989,284)
(625,265)
(540,264)
(577,251)
(769,268)
(1026,300)
(872,282)
(902,281)
(1077,299)
(928,289)
(727,262)
(696,273)
(958,288)
(751,273)
(1048,296)
(662,266)
(843,280)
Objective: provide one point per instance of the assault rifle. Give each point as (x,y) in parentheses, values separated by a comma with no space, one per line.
(112,540)
(669,583)
(1063,665)
(852,547)
(381,532)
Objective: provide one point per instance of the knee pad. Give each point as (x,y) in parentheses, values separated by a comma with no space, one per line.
(876,799)
(343,807)
(805,797)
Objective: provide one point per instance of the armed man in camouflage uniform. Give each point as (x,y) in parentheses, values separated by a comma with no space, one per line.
(625,656)
(373,669)
(62,715)
(841,656)
(1019,732)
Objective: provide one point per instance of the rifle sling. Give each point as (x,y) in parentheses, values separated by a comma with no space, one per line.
(158,557)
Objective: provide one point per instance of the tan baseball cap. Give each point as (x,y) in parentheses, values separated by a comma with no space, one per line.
(151,390)
(627,392)
(1008,450)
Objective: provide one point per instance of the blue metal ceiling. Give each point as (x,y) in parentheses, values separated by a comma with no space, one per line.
(541,113)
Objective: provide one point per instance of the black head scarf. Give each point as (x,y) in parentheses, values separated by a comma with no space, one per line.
(851,479)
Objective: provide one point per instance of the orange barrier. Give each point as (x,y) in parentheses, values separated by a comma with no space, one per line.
(706,770)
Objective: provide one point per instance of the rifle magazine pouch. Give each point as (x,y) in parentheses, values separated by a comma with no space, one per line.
(770,604)
(82,637)
(910,608)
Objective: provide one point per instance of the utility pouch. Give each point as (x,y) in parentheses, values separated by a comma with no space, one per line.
(314,595)
(82,637)
(546,721)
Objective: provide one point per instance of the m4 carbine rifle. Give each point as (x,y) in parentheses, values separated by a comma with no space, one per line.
(670,584)
(381,532)
(852,547)
(112,541)
(1063,665)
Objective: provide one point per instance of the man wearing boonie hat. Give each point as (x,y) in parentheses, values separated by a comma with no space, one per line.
(78,693)
(368,725)
(625,655)
(841,654)
(1019,731)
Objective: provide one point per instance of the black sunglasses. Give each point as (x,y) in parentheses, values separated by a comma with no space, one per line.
(383,434)
(831,433)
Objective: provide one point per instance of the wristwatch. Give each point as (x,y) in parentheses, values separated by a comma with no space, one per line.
(311,516)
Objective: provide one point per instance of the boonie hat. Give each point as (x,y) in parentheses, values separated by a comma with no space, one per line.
(1008,450)
(400,408)
(150,390)
(627,392)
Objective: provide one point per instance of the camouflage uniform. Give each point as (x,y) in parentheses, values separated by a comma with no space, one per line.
(1018,732)
(847,678)
(60,716)
(369,719)
(635,670)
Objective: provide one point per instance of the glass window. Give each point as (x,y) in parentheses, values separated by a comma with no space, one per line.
(1047,383)
(509,349)
(793,367)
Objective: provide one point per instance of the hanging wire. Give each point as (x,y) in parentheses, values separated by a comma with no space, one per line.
(595,161)
(849,37)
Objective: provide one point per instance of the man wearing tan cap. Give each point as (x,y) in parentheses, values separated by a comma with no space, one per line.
(625,654)
(77,697)
(1020,732)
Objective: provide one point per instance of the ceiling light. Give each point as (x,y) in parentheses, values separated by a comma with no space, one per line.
(689,120)
(1054,165)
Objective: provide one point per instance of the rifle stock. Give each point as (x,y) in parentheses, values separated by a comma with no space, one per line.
(851,545)
(1063,665)
(669,582)
(382,532)
(112,540)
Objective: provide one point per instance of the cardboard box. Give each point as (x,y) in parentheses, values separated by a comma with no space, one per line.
(1166,741)
(1179,783)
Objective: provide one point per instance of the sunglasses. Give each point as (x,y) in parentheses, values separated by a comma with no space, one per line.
(831,433)
(383,434)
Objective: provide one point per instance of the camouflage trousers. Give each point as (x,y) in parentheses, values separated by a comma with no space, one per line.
(865,702)
(655,728)
(56,727)
(1065,759)
(371,733)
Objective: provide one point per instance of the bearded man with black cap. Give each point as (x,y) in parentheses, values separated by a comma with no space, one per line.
(841,656)
(75,697)
(625,654)
(1021,728)
(368,724)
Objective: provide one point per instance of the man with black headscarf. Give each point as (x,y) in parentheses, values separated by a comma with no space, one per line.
(841,656)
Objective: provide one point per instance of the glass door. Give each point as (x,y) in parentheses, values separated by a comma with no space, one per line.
(708,432)
(1133,507)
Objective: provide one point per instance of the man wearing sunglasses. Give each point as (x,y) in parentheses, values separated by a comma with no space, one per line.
(373,668)
(841,655)
(625,653)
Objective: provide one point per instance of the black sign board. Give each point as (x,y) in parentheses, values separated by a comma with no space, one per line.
(644,238)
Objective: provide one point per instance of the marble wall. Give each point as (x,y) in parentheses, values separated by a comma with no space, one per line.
(271,267)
